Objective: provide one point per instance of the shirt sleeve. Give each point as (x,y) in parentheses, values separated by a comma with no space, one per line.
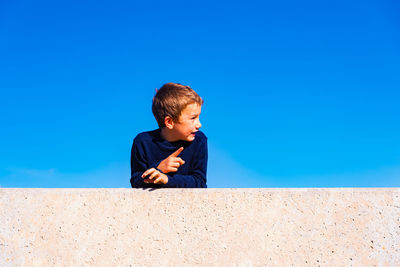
(138,166)
(197,178)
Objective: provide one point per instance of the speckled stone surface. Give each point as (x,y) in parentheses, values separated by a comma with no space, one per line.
(169,227)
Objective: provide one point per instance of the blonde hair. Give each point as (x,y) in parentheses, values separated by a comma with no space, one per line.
(171,99)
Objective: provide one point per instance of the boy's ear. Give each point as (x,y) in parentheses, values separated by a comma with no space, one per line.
(169,122)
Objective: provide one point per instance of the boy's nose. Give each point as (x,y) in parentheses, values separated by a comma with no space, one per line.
(198,126)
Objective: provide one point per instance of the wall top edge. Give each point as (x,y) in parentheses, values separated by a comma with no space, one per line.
(198,190)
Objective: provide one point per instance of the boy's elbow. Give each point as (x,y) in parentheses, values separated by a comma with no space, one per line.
(133,183)
(136,182)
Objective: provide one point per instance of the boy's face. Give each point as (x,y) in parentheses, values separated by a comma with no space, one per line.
(188,124)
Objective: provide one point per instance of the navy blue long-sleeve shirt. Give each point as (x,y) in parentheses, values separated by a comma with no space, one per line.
(149,149)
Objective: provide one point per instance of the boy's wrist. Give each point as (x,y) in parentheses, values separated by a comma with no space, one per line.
(159,167)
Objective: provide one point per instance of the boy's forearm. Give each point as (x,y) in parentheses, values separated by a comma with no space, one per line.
(186,181)
(175,181)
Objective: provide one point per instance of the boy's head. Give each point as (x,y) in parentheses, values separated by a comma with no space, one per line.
(176,107)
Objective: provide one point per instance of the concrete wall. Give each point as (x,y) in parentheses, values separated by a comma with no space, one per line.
(246,227)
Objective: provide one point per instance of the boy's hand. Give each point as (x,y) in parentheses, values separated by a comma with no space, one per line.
(172,163)
(156,177)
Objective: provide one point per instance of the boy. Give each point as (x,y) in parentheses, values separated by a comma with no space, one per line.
(175,155)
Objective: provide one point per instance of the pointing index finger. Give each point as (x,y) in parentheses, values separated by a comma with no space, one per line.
(176,153)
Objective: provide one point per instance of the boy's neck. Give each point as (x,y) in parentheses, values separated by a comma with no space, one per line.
(167,135)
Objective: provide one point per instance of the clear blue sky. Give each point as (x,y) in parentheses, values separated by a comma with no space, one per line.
(297,93)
